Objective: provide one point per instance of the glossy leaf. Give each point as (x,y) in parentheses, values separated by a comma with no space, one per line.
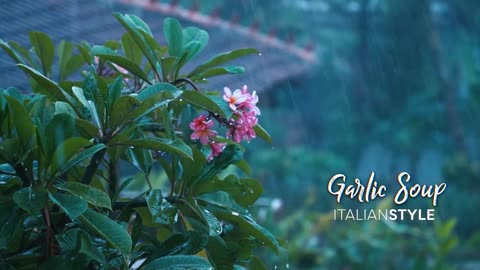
(134,32)
(164,145)
(174,36)
(205,102)
(108,229)
(221,59)
(80,157)
(179,262)
(112,56)
(23,123)
(47,87)
(159,92)
(88,193)
(72,205)
(131,49)
(262,133)
(250,227)
(65,151)
(44,49)
(218,71)
(31,199)
(194,41)
(231,154)
(214,225)
(162,211)
(12,52)
(244,191)
(189,242)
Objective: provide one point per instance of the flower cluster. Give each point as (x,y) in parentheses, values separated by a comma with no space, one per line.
(201,127)
(245,111)
(240,125)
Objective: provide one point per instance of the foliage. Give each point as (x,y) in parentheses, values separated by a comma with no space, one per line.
(317,241)
(61,149)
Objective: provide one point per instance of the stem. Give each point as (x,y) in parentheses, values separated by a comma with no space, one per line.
(93,166)
(188,81)
(49,238)
(113,177)
(148,182)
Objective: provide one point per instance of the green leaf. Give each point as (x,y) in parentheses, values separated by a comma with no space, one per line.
(77,240)
(31,199)
(47,87)
(165,145)
(64,108)
(65,50)
(72,205)
(86,128)
(108,229)
(112,56)
(168,66)
(9,184)
(220,254)
(123,110)
(80,157)
(213,104)
(179,262)
(11,228)
(131,49)
(140,158)
(140,24)
(231,154)
(222,58)
(25,53)
(114,93)
(59,129)
(262,133)
(247,225)
(189,242)
(159,92)
(12,52)
(84,49)
(174,36)
(194,41)
(23,124)
(44,49)
(88,193)
(244,191)
(162,211)
(73,64)
(65,151)
(256,263)
(214,225)
(135,33)
(218,71)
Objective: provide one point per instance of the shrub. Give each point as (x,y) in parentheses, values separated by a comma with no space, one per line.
(61,202)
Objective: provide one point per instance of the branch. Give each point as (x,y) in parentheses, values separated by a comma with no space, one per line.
(188,81)
(93,166)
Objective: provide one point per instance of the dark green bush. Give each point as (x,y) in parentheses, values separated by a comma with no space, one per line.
(62,205)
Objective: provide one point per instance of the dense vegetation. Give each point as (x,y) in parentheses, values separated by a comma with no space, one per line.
(63,148)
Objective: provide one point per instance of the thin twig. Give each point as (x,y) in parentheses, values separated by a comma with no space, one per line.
(188,81)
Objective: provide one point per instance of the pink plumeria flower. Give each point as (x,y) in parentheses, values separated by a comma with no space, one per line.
(216,148)
(201,129)
(233,99)
(247,121)
(250,102)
